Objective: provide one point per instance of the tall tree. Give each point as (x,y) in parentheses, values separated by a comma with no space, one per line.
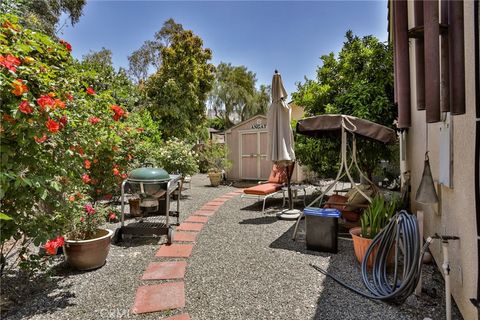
(234,94)
(360,83)
(44,15)
(99,72)
(178,91)
(149,56)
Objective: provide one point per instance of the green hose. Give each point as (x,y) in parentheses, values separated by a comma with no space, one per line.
(401,232)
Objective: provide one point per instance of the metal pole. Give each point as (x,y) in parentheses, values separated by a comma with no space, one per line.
(446,272)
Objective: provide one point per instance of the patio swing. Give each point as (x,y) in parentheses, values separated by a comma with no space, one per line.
(345,126)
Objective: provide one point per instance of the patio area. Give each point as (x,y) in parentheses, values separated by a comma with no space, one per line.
(243,265)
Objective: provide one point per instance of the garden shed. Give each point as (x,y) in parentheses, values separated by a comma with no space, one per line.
(247,149)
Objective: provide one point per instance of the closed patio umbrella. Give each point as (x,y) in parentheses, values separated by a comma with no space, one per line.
(280,137)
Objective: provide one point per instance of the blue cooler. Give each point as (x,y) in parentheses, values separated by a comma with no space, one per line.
(322,229)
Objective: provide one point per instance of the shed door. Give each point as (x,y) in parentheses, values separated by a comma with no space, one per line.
(253,157)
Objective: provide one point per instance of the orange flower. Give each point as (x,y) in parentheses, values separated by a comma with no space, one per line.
(25,107)
(87,164)
(95,160)
(52,94)
(71,198)
(18,87)
(52,125)
(8,118)
(59,103)
(115,172)
(10,62)
(8,25)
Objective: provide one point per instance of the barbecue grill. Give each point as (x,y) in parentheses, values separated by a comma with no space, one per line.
(154,187)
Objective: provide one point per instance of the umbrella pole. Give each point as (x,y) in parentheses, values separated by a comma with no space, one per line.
(289,189)
(290,213)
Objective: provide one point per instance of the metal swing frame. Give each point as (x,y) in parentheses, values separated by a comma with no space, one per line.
(347,128)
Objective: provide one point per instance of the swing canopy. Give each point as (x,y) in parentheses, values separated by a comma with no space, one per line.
(329,125)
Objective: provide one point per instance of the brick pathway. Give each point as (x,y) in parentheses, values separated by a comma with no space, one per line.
(170,293)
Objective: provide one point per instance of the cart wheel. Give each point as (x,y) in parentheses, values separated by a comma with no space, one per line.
(170,235)
(117,236)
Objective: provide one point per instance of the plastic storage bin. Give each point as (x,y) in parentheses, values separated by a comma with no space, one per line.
(322,229)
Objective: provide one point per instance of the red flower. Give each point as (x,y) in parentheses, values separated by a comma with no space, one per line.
(67,45)
(50,247)
(94,120)
(115,172)
(119,112)
(89,209)
(10,62)
(40,140)
(124,176)
(52,125)
(71,198)
(63,121)
(86,178)
(90,91)
(45,101)
(80,151)
(59,241)
(18,87)
(112,216)
(59,103)
(87,164)
(69,97)
(25,107)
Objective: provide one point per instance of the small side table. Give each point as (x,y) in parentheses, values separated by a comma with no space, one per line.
(295,188)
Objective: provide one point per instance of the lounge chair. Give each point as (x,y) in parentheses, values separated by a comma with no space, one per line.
(274,185)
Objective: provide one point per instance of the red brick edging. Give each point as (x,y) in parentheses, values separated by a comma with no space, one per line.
(171,295)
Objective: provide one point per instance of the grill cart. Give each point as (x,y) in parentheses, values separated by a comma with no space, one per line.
(154,187)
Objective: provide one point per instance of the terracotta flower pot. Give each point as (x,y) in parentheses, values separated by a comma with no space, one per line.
(215,178)
(360,246)
(88,254)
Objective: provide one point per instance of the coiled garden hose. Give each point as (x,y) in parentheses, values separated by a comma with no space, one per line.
(401,232)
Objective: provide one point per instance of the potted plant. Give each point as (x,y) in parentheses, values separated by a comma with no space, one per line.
(214,158)
(373,220)
(86,244)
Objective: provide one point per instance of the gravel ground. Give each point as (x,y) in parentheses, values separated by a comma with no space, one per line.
(243,266)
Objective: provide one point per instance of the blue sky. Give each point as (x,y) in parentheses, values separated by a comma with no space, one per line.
(286,35)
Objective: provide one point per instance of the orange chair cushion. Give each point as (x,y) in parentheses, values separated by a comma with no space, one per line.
(279,174)
(348,215)
(263,189)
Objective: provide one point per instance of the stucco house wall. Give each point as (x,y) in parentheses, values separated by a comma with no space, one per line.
(455,213)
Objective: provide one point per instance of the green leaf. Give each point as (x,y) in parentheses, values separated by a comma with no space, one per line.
(3,216)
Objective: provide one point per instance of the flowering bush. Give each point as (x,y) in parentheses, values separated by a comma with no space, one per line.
(213,157)
(176,156)
(63,141)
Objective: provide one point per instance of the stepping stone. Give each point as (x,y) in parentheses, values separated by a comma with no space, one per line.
(183,316)
(196,219)
(185,236)
(210,207)
(165,270)
(206,213)
(159,297)
(175,250)
(220,200)
(186,226)
(217,202)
